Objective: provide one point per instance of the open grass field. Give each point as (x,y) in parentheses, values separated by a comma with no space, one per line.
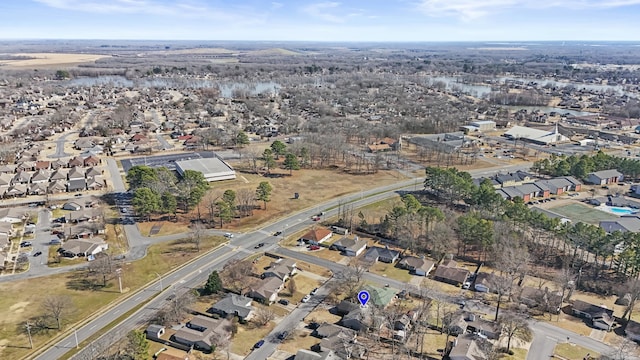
(247,335)
(572,351)
(313,186)
(40,60)
(27,295)
(166,228)
(390,271)
(299,339)
(578,212)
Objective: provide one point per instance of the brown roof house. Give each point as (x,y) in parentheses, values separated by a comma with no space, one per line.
(417,265)
(600,316)
(281,269)
(201,331)
(316,236)
(451,275)
(265,290)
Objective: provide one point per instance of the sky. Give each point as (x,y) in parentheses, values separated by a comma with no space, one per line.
(308,20)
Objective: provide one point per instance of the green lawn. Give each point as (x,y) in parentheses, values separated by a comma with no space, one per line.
(583,213)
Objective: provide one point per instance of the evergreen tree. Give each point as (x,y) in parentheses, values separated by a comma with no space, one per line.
(213,285)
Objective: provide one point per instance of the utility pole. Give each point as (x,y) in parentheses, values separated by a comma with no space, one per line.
(28,325)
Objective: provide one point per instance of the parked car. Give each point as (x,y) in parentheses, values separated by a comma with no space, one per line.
(78,195)
(258,246)
(314,247)
(259,344)
(25,244)
(316,218)
(228,235)
(283,301)
(306,298)
(466,285)
(55,241)
(283,335)
(314,291)
(37,253)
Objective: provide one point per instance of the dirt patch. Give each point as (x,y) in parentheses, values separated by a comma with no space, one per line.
(3,343)
(18,308)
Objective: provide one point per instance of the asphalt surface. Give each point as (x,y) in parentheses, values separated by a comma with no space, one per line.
(60,146)
(196,272)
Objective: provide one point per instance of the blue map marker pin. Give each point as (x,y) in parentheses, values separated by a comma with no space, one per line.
(363,297)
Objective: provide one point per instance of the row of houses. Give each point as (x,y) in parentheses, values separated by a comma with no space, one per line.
(77,161)
(271,282)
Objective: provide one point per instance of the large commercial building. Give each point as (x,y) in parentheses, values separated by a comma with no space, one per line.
(536,136)
(213,169)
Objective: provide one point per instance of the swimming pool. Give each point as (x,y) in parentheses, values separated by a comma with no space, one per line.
(617,210)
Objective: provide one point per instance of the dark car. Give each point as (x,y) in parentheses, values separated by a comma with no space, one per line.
(258,246)
(25,244)
(284,301)
(277,233)
(259,344)
(77,195)
(37,253)
(283,335)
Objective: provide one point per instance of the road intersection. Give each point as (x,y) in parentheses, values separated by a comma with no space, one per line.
(197,271)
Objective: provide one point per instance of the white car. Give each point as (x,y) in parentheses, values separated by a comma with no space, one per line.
(466,285)
(306,298)
(228,235)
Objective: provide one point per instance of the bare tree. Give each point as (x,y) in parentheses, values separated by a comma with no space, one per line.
(246,200)
(102,266)
(196,235)
(57,306)
(235,274)
(292,287)
(514,326)
(264,315)
(351,279)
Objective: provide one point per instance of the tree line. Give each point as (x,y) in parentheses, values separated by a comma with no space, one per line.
(581,165)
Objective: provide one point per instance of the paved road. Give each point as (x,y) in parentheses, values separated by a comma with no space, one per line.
(60,146)
(41,242)
(289,324)
(197,272)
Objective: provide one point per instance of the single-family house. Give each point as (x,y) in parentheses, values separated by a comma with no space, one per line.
(154,331)
(17,190)
(486,282)
(600,316)
(281,269)
(83,248)
(77,185)
(4,242)
(349,247)
(6,179)
(340,230)
(478,325)
(12,215)
(265,290)
(91,161)
(417,265)
(303,354)
(466,348)
(605,177)
(95,183)
(75,174)
(451,275)
(200,331)
(92,172)
(235,305)
(541,298)
(57,186)
(632,330)
(380,297)
(38,188)
(316,236)
(40,176)
(345,307)
(59,174)
(71,206)
(386,255)
(75,162)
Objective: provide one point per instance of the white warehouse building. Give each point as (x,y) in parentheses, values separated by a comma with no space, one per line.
(213,169)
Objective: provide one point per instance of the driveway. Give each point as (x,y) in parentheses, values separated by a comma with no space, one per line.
(60,146)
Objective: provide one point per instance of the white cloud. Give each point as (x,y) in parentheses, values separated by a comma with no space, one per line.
(322,11)
(472,9)
(150,7)
(276,5)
